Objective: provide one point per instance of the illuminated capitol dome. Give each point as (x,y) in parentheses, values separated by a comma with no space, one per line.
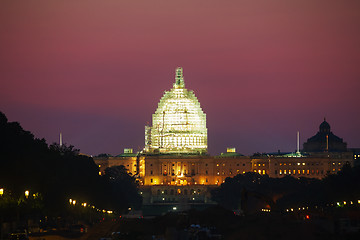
(179,123)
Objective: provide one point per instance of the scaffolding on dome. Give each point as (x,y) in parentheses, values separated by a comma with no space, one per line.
(179,123)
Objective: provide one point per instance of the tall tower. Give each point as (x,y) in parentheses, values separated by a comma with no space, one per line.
(179,123)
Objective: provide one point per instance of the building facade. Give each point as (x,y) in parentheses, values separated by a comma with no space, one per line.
(174,169)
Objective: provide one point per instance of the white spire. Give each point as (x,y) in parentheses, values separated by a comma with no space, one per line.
(298,143)
(60,139)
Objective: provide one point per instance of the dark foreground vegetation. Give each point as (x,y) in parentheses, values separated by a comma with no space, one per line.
(38,180)
(219,223)
(252,191)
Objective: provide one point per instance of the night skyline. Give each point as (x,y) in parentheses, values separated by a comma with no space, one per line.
(262,71)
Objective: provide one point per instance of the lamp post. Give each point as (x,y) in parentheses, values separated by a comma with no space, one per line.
(27,193)
(1,192)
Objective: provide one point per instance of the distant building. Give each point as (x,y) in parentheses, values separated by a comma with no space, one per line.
(175,172)
(325,141)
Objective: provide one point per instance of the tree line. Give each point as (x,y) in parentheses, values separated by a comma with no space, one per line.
(56,174)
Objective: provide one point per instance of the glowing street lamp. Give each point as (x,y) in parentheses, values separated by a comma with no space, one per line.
(1,192)
(27,193)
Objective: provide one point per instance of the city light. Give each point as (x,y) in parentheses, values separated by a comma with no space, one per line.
(1,191)
(27,193)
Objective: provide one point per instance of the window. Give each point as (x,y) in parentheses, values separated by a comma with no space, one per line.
(151,180)
(150,165)
(151,172)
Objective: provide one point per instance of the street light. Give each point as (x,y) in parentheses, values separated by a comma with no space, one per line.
(27,193)
(1,192)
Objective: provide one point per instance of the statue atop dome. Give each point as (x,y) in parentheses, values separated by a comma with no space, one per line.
(179,78)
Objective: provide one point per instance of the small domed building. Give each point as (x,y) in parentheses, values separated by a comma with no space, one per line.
(325,141)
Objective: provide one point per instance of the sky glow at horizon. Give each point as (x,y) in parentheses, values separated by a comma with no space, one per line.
(262,70)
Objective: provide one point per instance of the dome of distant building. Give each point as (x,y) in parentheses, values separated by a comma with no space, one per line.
(179,123)
(324,127)
(325,141)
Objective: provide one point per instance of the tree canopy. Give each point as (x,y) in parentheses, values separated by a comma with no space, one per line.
(58,173)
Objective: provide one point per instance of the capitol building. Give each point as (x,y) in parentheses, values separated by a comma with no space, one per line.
(175,171)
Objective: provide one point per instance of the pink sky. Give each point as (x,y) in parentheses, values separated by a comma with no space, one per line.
(262,70)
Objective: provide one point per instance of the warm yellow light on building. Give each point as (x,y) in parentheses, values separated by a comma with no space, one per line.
(1,191)
(179,123)
(27,193)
